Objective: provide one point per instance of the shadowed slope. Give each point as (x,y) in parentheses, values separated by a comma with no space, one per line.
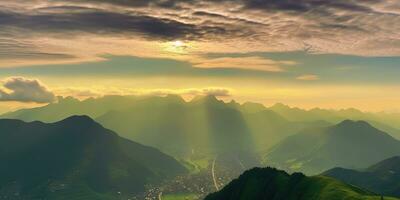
(382,178)
(76,154)
(349,144)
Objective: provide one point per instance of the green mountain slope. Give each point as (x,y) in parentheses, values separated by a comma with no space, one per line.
(268,183)
(382,178)
(348,144)
(76,158)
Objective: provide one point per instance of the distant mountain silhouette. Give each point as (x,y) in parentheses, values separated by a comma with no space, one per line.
(75,158)
(95,107)
(65,107)
(389,123)
(269,183)
(204,125)
(349,144)
(381,178)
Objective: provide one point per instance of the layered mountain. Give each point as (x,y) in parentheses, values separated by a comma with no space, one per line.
(381,178)
(203,126)
(349,144)
(383,121)
(178,127)
(269,183)
(65,107)
(76,158)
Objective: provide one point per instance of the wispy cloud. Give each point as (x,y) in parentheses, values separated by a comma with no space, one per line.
(191,92)
(251,63)
(308,77)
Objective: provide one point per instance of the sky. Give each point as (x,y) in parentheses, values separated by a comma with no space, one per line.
(305,53)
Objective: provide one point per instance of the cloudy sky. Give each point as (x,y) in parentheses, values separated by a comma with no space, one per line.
(306,53)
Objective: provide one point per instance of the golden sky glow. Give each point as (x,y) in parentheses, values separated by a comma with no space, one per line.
(331,55)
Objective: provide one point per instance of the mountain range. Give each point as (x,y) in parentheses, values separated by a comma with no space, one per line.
(381,178)
(349,144)
(293,139)
(269,183)
(76,158)
(388,122)
(204,125)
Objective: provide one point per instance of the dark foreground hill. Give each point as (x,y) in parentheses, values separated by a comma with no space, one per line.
(268,183)
(381,178)
(75,158)
(349,144)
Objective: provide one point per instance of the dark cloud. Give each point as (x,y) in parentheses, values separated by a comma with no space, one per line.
(169,4)
(272,24)
(25,90)
(226,18)
(275,5)
(104,22)
(79,18)
(307,5)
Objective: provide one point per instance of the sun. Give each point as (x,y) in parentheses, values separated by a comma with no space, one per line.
(178,43)
(177,47)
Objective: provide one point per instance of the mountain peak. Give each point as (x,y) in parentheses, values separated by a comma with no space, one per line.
(79,121)
(79,118)
(269,183)
(175,98)
(280,106)
(253,107)
(67,99)
(234,103)
(206,99)
(350,123)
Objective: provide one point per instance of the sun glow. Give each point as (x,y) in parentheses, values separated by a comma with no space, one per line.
(178,43)
(177,47)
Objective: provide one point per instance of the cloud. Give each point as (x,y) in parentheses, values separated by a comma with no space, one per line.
(83,93)
(214,91)
(77,19)
(309,5)
(78,92)
(25,90)
(19,49)
(308,77)
(251,62)
(219,92)
(84,29)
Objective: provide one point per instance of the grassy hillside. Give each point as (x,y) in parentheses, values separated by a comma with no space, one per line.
(269,183)
(382,178)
